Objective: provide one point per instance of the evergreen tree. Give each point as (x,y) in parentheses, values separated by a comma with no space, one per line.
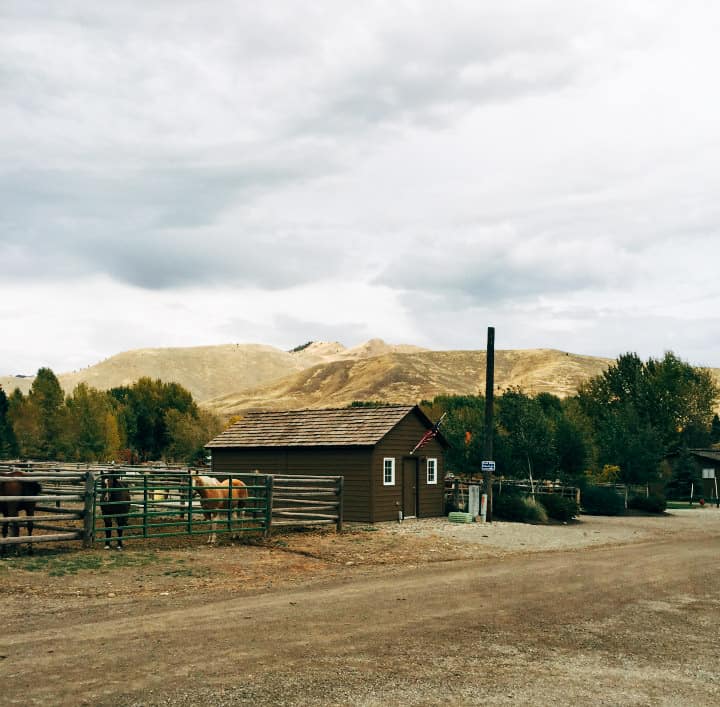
(8,441)
(715,429)
(685,474)
(46,401)
(26,425)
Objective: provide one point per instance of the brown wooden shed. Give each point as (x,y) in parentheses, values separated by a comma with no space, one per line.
(708,460)
(369,446)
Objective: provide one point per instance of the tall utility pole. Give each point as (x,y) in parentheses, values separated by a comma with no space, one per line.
(488,445)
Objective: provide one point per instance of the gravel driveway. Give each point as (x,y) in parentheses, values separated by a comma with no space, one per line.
(603,611)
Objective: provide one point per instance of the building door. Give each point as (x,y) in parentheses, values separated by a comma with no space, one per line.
(410,487)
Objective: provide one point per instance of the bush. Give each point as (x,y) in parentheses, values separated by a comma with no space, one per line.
(654,503)
(513,507)
(602,501)
(558,507)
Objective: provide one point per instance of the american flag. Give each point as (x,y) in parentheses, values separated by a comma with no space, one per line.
(430,434)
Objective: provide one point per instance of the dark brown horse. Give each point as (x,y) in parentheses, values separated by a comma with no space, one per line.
(20,487)
(114,503)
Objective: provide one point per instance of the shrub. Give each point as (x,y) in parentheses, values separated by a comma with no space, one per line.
(602,501)
(654,503)
(558,507)
(536,512)
(513,507)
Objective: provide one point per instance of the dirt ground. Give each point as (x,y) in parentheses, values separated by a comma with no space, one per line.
(601,611)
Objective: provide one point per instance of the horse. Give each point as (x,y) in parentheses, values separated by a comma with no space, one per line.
(114,503)
(11,508)
(216,500)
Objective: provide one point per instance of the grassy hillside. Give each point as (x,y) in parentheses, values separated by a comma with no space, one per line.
(209,371)
(236,377)
(409,377)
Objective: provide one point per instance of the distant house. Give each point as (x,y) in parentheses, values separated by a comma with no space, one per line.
(369,446)
(709,462)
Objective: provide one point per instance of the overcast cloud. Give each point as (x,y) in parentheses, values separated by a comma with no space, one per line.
(189,173)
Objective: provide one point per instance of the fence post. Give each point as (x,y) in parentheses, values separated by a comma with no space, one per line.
(89,510)
(340,492)
(268,504)
(145,506)
(189,504)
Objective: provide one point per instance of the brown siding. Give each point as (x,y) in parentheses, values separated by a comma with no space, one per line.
(397,444)
(366,499)
(351,463)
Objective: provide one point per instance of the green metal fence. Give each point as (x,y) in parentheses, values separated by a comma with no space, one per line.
(165,504)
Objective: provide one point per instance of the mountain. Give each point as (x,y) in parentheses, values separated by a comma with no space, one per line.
(399,377)
(209,371)
(233,378)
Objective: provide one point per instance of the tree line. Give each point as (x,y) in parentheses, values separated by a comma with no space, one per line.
(148,420)
(623,425)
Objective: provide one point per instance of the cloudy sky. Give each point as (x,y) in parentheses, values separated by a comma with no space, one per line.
(181,173)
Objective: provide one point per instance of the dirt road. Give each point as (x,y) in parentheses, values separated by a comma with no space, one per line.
(631,625)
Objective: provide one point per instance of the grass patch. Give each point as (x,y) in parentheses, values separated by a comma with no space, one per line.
(186,572)
(679,505)
(58,563)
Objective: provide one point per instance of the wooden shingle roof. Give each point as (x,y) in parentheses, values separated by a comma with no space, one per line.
(712,454)
(310,428)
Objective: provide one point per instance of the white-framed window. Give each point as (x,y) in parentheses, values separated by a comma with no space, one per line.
(389,471)
(432,471)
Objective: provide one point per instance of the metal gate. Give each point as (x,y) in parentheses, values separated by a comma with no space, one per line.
(164,504)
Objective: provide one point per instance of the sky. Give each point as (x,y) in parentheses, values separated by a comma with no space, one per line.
(185,173)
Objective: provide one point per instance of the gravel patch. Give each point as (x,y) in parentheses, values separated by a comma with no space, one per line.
(587,531)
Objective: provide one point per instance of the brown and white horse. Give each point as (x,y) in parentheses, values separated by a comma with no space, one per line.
(11,508)
(218,501)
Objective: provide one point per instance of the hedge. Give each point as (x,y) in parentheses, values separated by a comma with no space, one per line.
(602,501)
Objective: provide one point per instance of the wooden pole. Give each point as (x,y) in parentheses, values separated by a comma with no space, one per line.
(269,482)
(340,509)
(88,534)
(488,445)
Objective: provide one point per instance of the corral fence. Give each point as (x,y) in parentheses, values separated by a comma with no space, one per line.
(457,489)
(61,507)
(163,503)
(308,500)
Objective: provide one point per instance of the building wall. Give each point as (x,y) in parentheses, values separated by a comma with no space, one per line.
(366,498)
(397,445)
(708,485)
(353,463)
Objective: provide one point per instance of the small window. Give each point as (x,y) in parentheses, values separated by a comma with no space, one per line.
(389,471)
(432,471)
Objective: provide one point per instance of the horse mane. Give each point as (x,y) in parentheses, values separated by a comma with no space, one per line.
(207,480)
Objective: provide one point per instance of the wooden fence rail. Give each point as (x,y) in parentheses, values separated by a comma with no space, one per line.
(307,500)
(456,489)
(61,507)
(162,503)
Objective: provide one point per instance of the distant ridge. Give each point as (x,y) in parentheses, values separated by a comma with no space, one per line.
(406,378)
(208,371)
(233,378)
